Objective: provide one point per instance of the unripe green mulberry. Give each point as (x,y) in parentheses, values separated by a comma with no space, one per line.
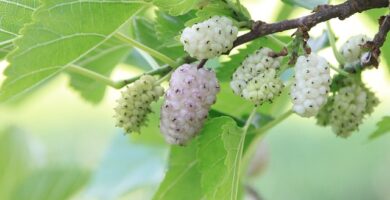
(348,110)
(345,111)
(372,101)
(256,79)
(263,87)
(134,104)
(323,116)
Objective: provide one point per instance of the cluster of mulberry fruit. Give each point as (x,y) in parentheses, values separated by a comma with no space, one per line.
(192,90)
(209,38)
(347,109)
(311,86)
(134,104)
(191,93)
(353,52)
(256,79)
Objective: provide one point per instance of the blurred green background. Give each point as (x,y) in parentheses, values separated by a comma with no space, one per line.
(54,145)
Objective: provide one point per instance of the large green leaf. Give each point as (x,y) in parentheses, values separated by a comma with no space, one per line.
(60,36)
(219,169)
(383,128)
(176,7)
(51,184)
(182,180)
(196,173)
(308,4)
(102,60)
(14,14)
(17,160)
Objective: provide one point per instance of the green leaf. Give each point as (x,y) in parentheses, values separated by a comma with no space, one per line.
(102,60)
(14,14)
(220,136)
(144,31)
(236,105)
(176,7)
(59,36)
(308,4)
(51,184)
(168,27)
(17,159)
(182,180)
(383,127)
(214,8)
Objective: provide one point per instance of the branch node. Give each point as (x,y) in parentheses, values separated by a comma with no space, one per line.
(283,52)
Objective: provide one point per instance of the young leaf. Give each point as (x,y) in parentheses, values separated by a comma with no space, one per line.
(14,14)
(383,127)
(59,36)
(182,180)
(168,27)
(102,60)
(143,30)
(219,8)
(308,4)
(176,7)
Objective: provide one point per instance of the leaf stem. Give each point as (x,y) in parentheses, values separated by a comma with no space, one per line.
(115,84)
(92,75)
(273,123)
(236,178)
(249,120)
(147,49)
(164,78)
(259,133)
(332,42)
(340,71)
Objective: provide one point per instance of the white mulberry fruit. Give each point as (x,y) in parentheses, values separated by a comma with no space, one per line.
(134,104)
(191,93)
(209,38)
(353,52)
(310,90)
(256,79)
